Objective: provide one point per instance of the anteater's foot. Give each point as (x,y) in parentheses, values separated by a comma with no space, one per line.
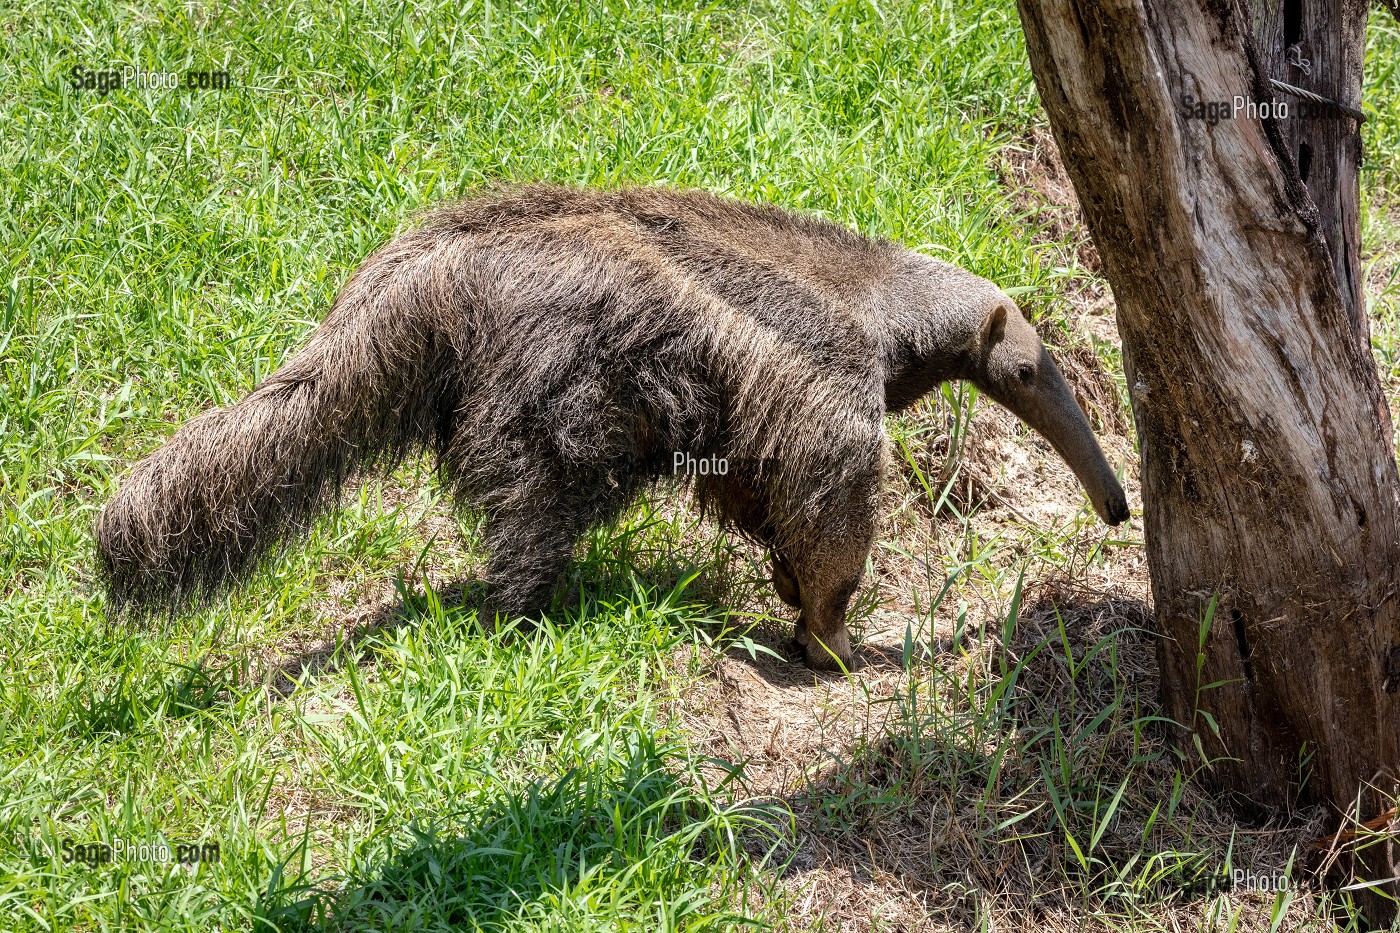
(832,653)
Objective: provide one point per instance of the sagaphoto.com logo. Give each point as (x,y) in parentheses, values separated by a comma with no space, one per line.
(101,81)
(98,854)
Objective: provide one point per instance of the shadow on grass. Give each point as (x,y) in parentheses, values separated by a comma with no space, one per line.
(140,694)
(1026,778)
(614,576)
(625,841)
(348,644)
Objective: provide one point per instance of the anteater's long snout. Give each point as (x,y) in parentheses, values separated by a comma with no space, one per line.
(1053,412)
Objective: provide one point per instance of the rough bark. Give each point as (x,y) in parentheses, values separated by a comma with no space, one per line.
(1268,469)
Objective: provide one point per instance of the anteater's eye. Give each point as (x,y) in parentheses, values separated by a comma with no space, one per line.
(1026,373)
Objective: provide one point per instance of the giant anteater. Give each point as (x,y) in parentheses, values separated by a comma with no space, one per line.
(556,350)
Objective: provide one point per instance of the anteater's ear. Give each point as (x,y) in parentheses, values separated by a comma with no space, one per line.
(994,325)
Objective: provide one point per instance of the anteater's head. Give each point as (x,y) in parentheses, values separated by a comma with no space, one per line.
(1008,362)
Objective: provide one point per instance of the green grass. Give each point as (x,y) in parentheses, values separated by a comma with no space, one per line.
(363,754)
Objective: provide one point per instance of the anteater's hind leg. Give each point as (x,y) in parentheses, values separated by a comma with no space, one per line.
(529,552)
(532,544)
(785,580)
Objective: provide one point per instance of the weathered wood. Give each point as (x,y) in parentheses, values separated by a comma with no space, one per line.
(1319,45)
(1268,470)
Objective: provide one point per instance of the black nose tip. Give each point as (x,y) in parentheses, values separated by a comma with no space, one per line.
(1118,511)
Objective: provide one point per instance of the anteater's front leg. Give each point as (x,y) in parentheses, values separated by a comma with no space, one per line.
(828,562)
(742,503)
(821,626)
(818,561)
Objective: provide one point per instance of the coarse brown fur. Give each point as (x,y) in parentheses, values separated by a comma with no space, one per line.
(556,349)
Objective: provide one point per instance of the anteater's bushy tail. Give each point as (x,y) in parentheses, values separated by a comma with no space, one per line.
(371,386)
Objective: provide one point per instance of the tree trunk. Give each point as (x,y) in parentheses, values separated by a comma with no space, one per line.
(1268,469)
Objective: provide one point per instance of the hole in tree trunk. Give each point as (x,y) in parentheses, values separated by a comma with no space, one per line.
(1304,160)
(1292,22)
(1237,617)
